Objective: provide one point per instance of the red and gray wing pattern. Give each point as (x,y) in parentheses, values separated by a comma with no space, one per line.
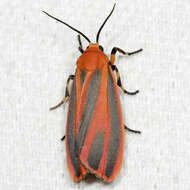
(95,132)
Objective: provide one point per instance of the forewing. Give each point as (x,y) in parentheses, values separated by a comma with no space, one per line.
(116,139)
(101,134)
(76,170)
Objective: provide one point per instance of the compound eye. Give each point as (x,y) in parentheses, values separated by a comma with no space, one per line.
(101,48)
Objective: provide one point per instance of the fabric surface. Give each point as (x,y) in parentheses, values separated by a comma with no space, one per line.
(37,54)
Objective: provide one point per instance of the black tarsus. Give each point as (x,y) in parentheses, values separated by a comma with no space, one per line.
(115,49)
(131,130)
(71,77)
(67,25)
(63,138)
(98,34)
(114,68)
(131,93)
(80,44)
(134,52)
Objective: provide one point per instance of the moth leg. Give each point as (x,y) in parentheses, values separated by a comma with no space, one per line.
(80,44)
(114,68)
(71,77)
(131,130)
(115,49)
(63,138)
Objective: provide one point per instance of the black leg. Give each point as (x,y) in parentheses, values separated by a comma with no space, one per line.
(80,44)
(131,130)
(115,49)
(114,68)
(71,77)
(63,138)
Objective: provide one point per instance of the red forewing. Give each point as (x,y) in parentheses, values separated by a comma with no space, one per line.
(100,136)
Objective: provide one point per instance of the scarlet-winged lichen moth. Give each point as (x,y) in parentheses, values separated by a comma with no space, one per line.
(95,128)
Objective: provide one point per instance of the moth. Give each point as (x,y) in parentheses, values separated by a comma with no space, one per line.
(95,128)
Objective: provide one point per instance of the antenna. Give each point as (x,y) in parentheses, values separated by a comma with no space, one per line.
(98,34)
(67,25)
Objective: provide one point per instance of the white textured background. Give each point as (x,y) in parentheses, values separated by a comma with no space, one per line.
(37,55)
